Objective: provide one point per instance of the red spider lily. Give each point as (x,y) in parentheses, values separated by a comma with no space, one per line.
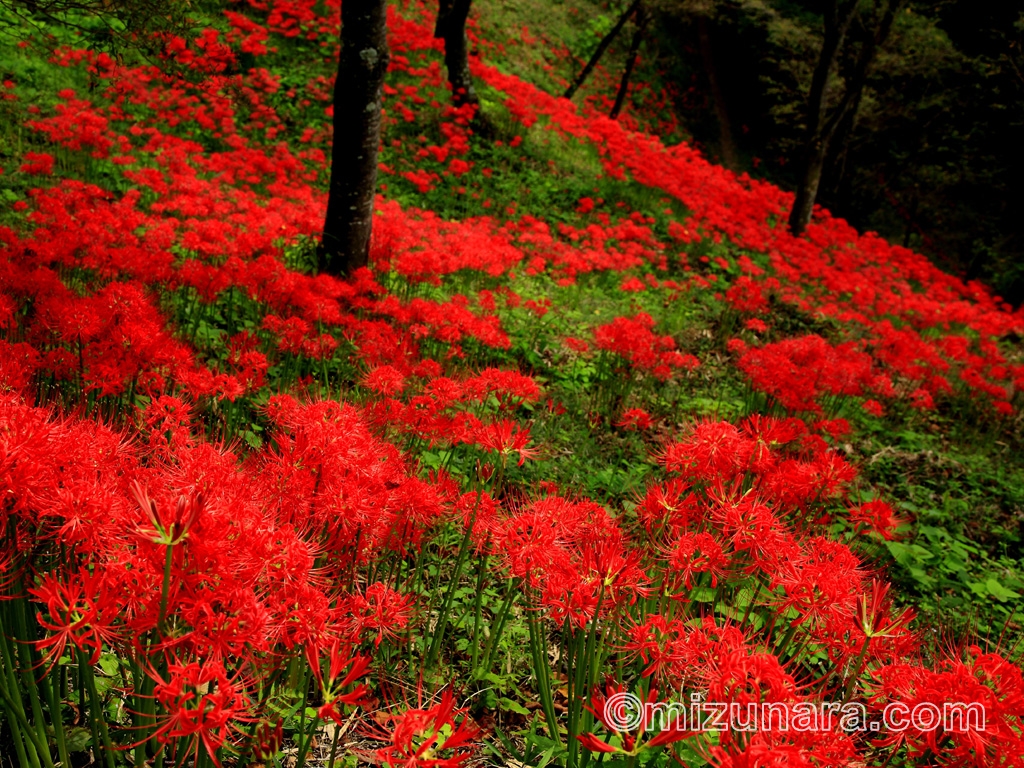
(715,448)
(693,553)
(669,506)
(875,614)
(878,517)
(268,740)
(39,163)
(609,708)
(779,370)
(633,339)
(634,419)
(745,676)
(80,612)
(435,736)
(378,610)
(511,388)
(986,682)
(332,491)
(385,380)
(785,750)
(506,436)
(746,296)
(334,686)
(8,572)
(201,705)
(168,530)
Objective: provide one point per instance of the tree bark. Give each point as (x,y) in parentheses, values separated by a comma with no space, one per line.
(837,157)
(838,16)
(358,95)
(825,130)
(601,48)
(642,19)
(451,27)
(730,157)
(807,188)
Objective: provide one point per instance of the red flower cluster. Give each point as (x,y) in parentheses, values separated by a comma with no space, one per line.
(171,307)
(633,339)
(798,373)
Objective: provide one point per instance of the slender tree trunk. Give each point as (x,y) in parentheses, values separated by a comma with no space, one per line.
(838,16)
(362,66)
(642,18)
(730,157)
(601,48)
(807,188)
(825,130)
(837,157)
(451,27)
(911,221)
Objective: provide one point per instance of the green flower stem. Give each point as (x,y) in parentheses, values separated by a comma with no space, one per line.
(47,685)
(17,647)
(29,749)
(587,670)
(303,741)
(857,668)
(165,590)
(334,747)
(23,736)
(97,720)
(442,619)
(540,671)
(478,610)
(499,626)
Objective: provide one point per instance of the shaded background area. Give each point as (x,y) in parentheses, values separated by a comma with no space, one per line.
(932,157)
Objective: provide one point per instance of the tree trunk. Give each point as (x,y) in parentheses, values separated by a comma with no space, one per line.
(362,66)
(451,27)
(601,48)
(807,188)
(634,50)
(837,157)
(838,16)
(825,130)
(730,157)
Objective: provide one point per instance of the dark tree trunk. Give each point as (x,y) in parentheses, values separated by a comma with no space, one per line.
(601,48)
(837,158)
(838,16)
(730,157)
(807,188)
(825,130)
(642,18)
(362,65)
(451,27)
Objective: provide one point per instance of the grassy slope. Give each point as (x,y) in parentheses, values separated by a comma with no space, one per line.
(962,485)
(959,482)
(958,475)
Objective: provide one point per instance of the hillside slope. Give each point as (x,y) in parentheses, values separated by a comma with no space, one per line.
(591,411)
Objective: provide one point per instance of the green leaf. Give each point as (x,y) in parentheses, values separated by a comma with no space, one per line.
(513,706)
(77,739)
(998,591)
(978,588)
(702,594)
(494,679)
(109,664)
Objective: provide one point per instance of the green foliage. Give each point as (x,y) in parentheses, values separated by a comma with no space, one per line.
(929,160)
(962,565)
